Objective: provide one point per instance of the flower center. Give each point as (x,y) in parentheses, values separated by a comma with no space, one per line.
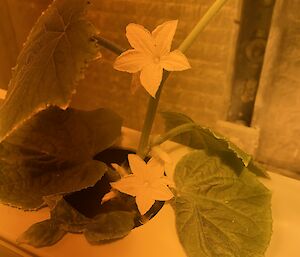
(146,183)
(156,59)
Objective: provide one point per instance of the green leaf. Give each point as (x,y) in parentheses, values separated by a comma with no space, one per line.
(191,138)
(219,213)
(42,234)
(53,153)
(70,219)
(109,226)
(50,64)
(103,227)
(73,134)
(204,138)
(258,169)
(25,183)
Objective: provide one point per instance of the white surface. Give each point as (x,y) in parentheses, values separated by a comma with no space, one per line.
(158,237)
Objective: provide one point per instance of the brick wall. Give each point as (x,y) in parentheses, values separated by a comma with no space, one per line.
(202,92)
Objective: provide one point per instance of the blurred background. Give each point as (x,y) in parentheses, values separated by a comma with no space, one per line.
(245,76)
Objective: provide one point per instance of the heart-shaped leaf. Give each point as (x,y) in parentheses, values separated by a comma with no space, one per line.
(50,64)
(25,184)
(74,134)
(53,153)
(219,213)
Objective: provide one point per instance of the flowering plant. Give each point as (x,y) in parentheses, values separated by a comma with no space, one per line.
(50,152)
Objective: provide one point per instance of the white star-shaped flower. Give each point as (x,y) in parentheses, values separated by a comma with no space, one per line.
(151,54)
(147,182)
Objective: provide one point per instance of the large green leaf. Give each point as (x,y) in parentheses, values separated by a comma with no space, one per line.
(74,134)
(219,213)
(204,138)
(24,183)
(50,64)
(42,234)
(53,153)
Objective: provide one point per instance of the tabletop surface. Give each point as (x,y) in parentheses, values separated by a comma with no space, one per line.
(145,241)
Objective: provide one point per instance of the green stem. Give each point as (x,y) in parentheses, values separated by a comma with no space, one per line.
(109,45)
(174,132)
(153,102)
(148,123)
(200,26)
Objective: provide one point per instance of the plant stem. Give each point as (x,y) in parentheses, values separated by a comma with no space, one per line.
(109,45)
(211,12)
(153,102)
(148,123)
(174,132)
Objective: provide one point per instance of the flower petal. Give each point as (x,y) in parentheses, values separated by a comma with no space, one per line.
(155,169)
(175,61)
(140,38)
(131,61)
(151,76)
(163,36)
(122,172)
(167,181)
(144,203)
(108,196)
(130,185)
(159,191)
(137,165)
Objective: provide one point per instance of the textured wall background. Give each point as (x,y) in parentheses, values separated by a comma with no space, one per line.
(16,20)
(202,92)
(278,102)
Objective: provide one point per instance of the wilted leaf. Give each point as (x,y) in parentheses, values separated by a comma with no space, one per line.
(53,153)
(42,234)
(219,213)
(215,144)
(109,226)
(50,64)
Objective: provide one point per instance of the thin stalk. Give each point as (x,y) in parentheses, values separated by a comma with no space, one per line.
(148,123)
(173,133)
(153,102)
(109,45)
(200,26)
